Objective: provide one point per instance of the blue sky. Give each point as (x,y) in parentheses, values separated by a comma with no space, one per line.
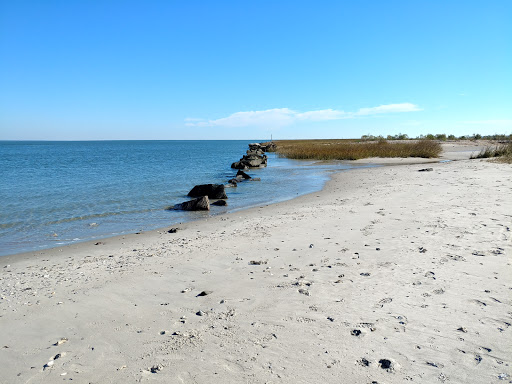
(79,70)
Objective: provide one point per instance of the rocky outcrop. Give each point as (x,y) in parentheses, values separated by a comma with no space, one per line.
(199,204)
(220,203)
(269,146)
(213,191)
(253,159)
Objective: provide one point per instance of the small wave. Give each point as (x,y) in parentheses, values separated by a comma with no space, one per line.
(97,215)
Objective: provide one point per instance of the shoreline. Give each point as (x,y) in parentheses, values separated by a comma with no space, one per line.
(118,239)
(387,274)
(460,149)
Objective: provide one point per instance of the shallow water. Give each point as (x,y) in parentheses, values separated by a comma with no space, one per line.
(56,193)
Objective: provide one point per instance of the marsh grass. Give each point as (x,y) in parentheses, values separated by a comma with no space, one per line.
(353,149)
(500,152)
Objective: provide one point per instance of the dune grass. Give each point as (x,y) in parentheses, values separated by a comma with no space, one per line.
(354,150)
(500,152)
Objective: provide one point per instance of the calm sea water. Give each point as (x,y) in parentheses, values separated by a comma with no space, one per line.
(55,193)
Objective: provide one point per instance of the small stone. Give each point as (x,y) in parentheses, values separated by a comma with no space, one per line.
(366,274)
(257,262)
(462,329)
(155,369)
(311,245)
(172,230)
(355,332)
(331,319)
(200,313)
(204,293)
(60,342)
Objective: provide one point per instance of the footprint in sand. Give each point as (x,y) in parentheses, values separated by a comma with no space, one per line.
(381,303)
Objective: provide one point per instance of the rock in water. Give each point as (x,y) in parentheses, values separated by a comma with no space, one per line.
(213,191)
(242,175)
(199,204)
(220,203)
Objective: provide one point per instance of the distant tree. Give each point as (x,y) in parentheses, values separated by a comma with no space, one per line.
(441,136)
(430,136)
(477,136)
(451,137)
(402,136)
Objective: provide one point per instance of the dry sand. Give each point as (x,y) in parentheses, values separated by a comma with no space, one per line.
(388,275)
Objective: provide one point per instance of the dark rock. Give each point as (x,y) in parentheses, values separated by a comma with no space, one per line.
(255,152)
(199,204)
(426,170)
(255,179)
(243,175)
(251,160)
(220,203)
(155,369)
(269,146)
(172,230)
(239,165)
(213,191)
(204,293)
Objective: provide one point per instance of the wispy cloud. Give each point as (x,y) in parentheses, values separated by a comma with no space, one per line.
(280,117)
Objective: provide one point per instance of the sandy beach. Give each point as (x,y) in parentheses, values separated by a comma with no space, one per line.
(387,275)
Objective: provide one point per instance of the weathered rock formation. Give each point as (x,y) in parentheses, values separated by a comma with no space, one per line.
(213,191)
(199,204)
(269,146)
(255,158)
(220,203)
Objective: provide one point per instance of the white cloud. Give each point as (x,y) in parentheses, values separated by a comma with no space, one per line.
(280,117)
(389,108)
(324,114)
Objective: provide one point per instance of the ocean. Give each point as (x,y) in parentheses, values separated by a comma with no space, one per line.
(57,193)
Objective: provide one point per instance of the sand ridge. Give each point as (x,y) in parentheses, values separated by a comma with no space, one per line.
(388,275)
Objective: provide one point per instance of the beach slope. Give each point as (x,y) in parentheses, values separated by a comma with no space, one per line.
(388,275)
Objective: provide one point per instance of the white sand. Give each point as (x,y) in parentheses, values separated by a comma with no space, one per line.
(384,264)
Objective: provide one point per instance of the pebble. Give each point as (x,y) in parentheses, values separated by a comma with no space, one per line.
(257,262)
(61,341)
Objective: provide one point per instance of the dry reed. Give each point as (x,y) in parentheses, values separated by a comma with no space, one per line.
(501,153)
(353,150)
